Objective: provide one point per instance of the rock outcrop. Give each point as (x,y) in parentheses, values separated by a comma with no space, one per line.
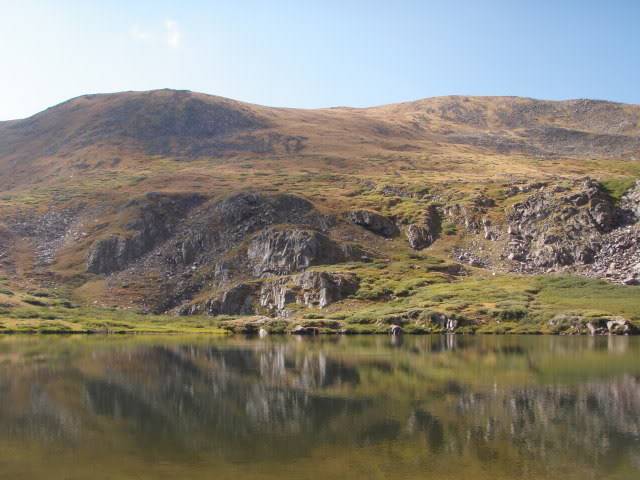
(238,300)
(112,254)
(374,222)
(155,218)
(630,202)
(555,227)
(284,251)
(271,296)
(222,226)
(311,289)
(575,324)
(575,227)
(421,235)
(618,258)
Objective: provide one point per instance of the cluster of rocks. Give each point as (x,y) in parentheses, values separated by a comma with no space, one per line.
(468,216)
(517,189)
(402,192)
(420,234)
(618,259)
(47,231)
(470,256)
(575,324)
(580,228)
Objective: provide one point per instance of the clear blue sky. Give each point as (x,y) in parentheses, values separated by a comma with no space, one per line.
(318,53)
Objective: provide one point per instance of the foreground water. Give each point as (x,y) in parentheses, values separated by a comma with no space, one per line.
(441,407)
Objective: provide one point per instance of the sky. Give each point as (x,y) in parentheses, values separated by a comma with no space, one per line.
(318,53)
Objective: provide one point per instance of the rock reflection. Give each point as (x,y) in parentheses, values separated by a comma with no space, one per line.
(537,400)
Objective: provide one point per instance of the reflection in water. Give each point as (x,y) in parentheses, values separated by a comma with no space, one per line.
(468,407)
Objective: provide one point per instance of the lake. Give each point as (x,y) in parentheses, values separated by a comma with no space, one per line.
(335,407)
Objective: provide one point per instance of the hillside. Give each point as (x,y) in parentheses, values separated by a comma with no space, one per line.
(451,213)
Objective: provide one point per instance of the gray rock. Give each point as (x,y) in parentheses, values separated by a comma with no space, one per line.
(631,201)
(395,330)
(108,255)
(374,222)
(238,300)
(558,228)
(421,235)
(301,330)
(310,289)
(284,251)
(323,288)
(620,326)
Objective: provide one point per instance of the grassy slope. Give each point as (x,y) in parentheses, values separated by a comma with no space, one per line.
(408,281)
(350,156)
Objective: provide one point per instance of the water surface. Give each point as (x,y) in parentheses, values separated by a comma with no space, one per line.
(440,407)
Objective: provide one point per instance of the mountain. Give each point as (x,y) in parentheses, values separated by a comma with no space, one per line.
(186,203)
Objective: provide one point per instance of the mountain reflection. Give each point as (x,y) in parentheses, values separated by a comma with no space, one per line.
(528,402)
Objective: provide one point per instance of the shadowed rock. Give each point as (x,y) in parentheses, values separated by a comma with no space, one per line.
(374,222)
(421,235)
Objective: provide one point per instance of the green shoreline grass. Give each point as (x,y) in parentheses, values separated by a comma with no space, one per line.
(414,299)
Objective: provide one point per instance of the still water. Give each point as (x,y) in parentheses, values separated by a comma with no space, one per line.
(432,407)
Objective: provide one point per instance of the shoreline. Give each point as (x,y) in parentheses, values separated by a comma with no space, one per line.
(229,333)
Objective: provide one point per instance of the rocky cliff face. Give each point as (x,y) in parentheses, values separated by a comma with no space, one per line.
(311,289)
(273,296)
(422,234)
(580,228)
(570,226)
(195,245)
(554,227)
(280,252)
(573,227)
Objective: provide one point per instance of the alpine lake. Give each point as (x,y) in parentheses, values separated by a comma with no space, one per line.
(443,407)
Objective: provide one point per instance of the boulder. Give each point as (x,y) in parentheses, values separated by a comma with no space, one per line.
(620,326)
(301,330)
(395,330)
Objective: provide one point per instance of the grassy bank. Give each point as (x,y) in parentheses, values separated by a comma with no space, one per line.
(415,296)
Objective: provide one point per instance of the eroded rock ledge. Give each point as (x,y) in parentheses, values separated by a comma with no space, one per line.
(273,296)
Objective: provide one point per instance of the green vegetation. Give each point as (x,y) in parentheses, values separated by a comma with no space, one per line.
(346,160)
(59,315)
(415,293)
(616,187)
